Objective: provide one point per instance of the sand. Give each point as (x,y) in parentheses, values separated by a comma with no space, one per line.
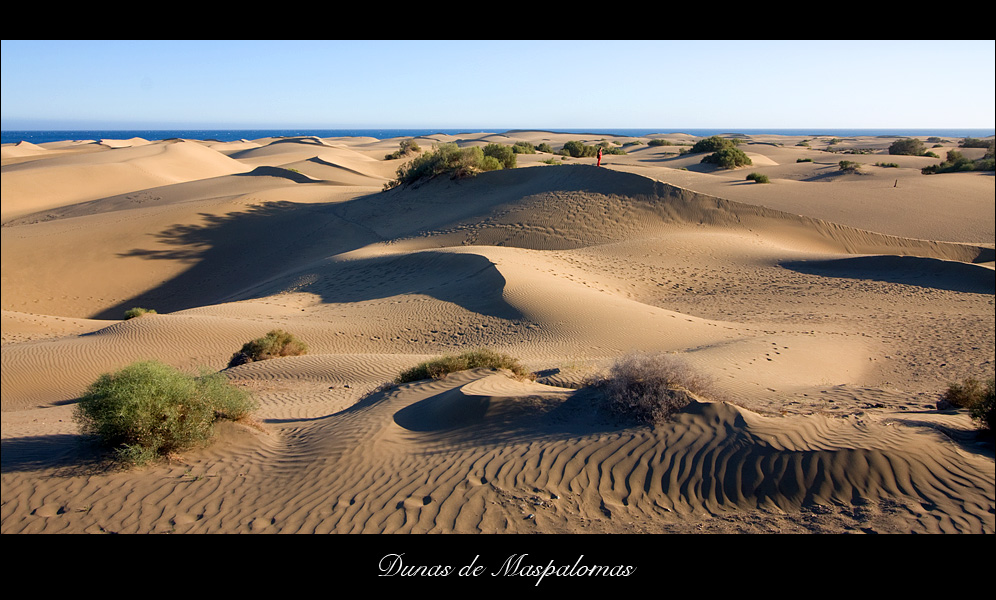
(830,309)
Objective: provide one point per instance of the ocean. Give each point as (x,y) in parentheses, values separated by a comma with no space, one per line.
(229,135)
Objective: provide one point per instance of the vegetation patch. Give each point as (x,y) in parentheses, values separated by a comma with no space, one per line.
(758,177)
(713,144)
(728,158)
(908,146)
(576,149)
(439,368)
(651,388)
(457,162)
(274,344)
(848,166)
(131,313)
(407,148)
(957,162)
(523,148)
(149,410)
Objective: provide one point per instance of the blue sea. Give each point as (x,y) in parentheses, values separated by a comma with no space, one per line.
(228,135)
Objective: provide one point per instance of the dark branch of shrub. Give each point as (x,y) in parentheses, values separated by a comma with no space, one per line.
(651,388)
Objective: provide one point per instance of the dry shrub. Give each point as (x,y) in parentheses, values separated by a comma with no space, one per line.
(652,387)
(439,368)
(274,344)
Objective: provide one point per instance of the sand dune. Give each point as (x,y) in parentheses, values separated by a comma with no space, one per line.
(829,309)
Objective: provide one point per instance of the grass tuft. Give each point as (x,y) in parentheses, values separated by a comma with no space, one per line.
(442,366)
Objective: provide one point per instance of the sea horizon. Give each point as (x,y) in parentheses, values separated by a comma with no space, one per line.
(41,136)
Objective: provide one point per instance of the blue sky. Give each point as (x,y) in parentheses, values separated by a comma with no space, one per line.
(52,84)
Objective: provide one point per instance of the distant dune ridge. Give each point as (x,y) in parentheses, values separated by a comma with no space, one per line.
(830,309)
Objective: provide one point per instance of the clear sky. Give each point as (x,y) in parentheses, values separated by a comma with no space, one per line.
(497,84)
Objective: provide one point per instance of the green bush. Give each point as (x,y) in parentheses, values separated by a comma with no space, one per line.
(714,144)
(659,142)
(439,368)
(149,410)
(758,177)
(728,158)
(408,147)
(504,154)
(908,146)
(971,142)
(799,160)
(131,313)
(523,148)
(274,344)
(887,165)
(956,162)
(544,147)
(448,159)
(651,388)
(577,149)
(848,166)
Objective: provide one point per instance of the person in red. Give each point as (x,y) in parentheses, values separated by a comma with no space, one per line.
(599,157)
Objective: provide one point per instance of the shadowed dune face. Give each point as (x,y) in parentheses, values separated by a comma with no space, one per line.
(560,208)
(907,270)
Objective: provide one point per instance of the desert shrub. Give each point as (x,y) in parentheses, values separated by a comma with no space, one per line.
(577,149)
(909,146)
(728,158)
(976,396)
(448,158)
(504,154)
(659,142)
(608,148)
(799,160)
(651,388)
(442,366)
(848,166)
(544,147)
(523,148)
(149,410)
(971,142)
(714,144)
(758,177)
(274,344)
(956,162)
(131,313)
(887,165)
(407,147)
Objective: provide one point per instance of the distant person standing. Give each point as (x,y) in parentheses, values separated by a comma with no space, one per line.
(599,157)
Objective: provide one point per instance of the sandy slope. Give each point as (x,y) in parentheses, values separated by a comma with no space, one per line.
(830,310)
